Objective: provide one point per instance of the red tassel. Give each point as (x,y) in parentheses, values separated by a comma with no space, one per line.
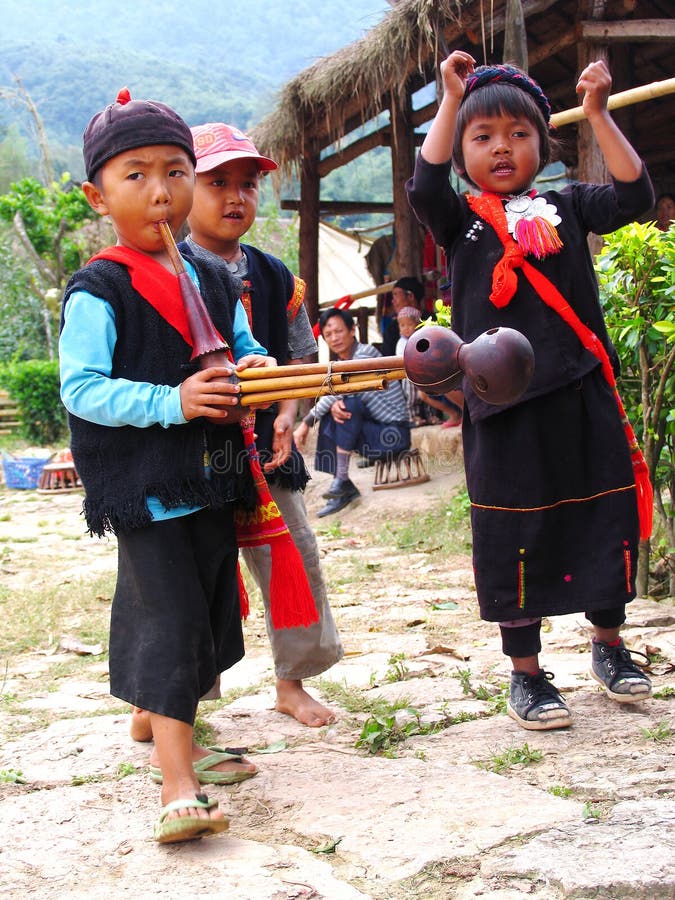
(538,237)
(244,605)
(291,601)
(645,499)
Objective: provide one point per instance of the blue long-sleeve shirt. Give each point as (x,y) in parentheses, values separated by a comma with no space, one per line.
(86,348)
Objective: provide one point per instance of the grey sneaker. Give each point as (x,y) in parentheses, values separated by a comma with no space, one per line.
(614,669)
(535,702)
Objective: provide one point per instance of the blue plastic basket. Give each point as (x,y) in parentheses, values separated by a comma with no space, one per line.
(23,472)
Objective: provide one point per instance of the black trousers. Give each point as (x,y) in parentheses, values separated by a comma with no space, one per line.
(175,621)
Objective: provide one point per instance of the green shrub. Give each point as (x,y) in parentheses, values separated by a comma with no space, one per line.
(34,386)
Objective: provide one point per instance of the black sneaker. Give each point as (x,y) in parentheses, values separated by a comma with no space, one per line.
(338,487)
(338,502)
(614,669)
(535,702)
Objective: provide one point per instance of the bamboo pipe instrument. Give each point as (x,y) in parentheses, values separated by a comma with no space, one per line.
(269,384)
(254,385)
(616,101)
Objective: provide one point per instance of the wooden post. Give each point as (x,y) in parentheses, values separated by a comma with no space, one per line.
(591,163)
(362,319)
(310,188)
(408,253)
(515,35)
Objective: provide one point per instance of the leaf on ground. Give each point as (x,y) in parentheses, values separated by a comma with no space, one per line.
(276,747)
(443,604)
(12,776)
(447,651)
(328,847)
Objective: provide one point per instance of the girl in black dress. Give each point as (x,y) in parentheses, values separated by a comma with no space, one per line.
(559,489)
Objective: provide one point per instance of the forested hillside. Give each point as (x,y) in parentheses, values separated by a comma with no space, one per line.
(209,60)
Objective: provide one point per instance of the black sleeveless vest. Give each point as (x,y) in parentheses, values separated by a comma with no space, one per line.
(120,467)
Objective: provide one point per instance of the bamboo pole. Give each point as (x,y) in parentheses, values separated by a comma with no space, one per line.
(255,385)
(299,393)
(376,364)
(616,101)
(359,295)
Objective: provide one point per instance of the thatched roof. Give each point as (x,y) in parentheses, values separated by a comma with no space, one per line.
(339,93)
(355,78)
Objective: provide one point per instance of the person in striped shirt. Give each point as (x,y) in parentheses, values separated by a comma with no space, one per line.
(373,423)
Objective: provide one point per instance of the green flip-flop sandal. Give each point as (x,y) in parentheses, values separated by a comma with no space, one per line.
(203,767)
(188,828)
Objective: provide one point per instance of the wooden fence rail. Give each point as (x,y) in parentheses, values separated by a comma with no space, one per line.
(9,414)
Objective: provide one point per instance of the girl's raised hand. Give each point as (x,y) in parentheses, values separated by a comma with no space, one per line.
(595,83)
(454,72)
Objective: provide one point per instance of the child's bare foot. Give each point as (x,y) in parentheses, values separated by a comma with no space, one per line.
(293,700)
(140,728)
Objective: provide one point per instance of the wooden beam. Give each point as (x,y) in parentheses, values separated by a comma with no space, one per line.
(352,151)
(546,50)
(342,207)
(634,31)
(424,113)
(472,25)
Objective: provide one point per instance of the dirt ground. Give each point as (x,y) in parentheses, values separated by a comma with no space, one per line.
(467,805)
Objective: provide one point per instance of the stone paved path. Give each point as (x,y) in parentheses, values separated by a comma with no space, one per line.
(587,813)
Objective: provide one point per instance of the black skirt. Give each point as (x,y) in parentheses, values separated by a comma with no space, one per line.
(553,505)
(175,622)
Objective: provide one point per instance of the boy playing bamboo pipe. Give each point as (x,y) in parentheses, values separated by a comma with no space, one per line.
(139,439)
(229,169)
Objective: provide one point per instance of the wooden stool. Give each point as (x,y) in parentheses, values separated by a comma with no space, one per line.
(402,470)
(59,475)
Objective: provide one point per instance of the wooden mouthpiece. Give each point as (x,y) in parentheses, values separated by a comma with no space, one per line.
(171,248)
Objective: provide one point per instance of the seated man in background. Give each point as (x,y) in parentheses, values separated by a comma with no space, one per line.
(374,423)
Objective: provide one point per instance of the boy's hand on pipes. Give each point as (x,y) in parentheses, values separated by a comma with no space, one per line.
(255,361)
(454,72)
(594,83)
(208,393)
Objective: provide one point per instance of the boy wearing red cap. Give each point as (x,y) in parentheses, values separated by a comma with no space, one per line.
(140,440)
(225,205)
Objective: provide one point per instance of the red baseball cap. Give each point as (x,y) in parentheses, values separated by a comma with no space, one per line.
(216,143)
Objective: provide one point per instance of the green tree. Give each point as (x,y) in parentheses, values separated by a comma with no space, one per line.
(22,334)
(636,273)
(45,220)
(277,236)
(14,163)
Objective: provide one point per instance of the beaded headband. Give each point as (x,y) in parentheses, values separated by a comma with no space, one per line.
(506,74)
